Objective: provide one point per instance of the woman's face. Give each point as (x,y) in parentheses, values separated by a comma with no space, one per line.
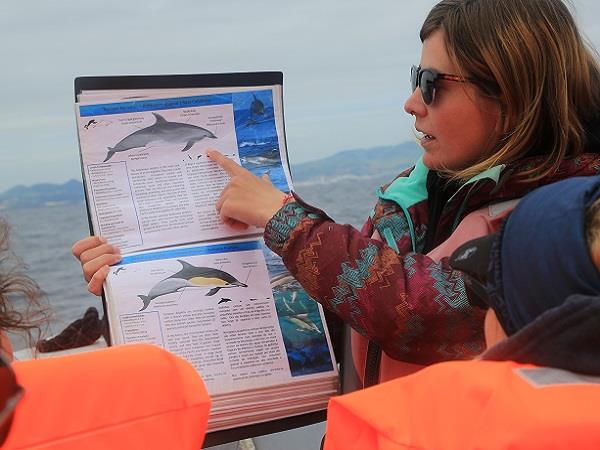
(460,126)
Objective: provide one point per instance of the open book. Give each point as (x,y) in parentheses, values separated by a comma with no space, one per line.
(187,282)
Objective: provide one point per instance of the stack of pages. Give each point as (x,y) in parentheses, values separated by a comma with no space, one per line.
(216,296)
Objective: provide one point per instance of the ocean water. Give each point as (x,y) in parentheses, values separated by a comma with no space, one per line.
(43,237)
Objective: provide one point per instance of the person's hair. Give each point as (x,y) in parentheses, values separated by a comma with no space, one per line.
(21,299)
(530,57)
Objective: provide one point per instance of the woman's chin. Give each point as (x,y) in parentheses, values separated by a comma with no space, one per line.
(432,162)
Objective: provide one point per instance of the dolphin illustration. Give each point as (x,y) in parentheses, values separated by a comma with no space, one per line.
(161,131)
(91,122)
(192,277)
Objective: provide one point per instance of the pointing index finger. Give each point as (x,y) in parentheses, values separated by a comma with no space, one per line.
(230,166)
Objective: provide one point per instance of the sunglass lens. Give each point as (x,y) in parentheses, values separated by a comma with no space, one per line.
(427,85)
(414,76)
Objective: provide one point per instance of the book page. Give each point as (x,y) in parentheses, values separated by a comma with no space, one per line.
(148,179)
(226,309)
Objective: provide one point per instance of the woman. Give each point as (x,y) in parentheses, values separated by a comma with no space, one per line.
(505,99)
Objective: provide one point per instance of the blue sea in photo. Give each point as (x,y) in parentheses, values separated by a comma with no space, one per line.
(258,144)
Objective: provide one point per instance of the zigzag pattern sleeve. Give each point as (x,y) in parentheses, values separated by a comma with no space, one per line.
(414,307)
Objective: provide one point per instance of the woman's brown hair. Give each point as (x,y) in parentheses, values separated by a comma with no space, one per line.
(530,57)
(21,299)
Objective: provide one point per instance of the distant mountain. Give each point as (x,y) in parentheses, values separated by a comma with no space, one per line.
(44,194)
(361,163)
(349,164)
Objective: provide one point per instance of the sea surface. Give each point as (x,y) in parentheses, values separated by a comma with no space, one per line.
(43,237)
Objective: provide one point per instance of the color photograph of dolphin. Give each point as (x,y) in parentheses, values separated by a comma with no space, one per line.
(303,323)
(192,277)
(257,108)
(161,131)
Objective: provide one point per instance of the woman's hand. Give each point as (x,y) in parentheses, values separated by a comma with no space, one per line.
(247,199)
(95,256)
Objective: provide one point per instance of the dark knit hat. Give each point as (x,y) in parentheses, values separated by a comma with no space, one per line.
(538,258)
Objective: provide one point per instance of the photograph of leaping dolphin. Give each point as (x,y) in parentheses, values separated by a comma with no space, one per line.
(192,277)
(161,131)
(303,323)
(257,108)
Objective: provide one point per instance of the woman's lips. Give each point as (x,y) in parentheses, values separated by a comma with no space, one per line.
(424,137)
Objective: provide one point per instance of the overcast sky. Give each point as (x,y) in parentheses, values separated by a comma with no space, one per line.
(346,65)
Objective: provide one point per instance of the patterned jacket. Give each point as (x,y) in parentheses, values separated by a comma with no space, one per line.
(388,290)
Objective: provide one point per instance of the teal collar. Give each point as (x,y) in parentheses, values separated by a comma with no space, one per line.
(408,191)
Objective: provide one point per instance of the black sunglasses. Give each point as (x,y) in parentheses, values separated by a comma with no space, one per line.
(10,395)
(427,79)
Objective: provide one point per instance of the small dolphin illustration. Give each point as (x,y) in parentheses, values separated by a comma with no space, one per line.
(303,323)
(91,122)
(257,108)
(192,277)
(224,300)
(161,131)
(118,270)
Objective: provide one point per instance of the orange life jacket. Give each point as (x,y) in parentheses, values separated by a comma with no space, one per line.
(470,405)
(131,396)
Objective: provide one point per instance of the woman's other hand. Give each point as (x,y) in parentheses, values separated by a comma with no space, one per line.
(247,199)
(95,256)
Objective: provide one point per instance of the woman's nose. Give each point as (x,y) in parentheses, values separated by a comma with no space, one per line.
(414,104)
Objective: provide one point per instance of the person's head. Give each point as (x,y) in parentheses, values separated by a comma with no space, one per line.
(530,85)
(21,308)
(547,250)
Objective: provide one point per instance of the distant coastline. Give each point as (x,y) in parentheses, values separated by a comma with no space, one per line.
(43,194)
(346,165)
